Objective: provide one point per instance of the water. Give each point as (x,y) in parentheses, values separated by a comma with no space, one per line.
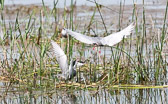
(79,2)
(100,96)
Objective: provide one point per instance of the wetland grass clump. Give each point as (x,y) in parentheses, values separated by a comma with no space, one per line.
(27,60)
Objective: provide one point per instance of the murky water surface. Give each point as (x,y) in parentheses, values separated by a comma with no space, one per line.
(61,3)
(101,96)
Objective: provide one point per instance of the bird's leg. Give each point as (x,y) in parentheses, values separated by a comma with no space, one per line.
(99,54)
(94,46)
(97,51)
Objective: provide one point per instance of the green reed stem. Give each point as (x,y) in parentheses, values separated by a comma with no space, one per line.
(2,4)
(71,42)
(163,29)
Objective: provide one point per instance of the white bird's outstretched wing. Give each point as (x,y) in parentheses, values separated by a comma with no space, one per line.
(117,37)
(60,57)
(81,37)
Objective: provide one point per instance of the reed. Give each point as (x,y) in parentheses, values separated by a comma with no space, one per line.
(2,4)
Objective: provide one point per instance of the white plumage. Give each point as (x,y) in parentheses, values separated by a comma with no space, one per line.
(60,57)
(109,40)
(67,72)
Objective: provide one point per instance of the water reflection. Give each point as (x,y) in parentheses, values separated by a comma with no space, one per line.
(100,96)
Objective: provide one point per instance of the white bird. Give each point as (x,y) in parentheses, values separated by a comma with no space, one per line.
(109,40)
(67,72)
